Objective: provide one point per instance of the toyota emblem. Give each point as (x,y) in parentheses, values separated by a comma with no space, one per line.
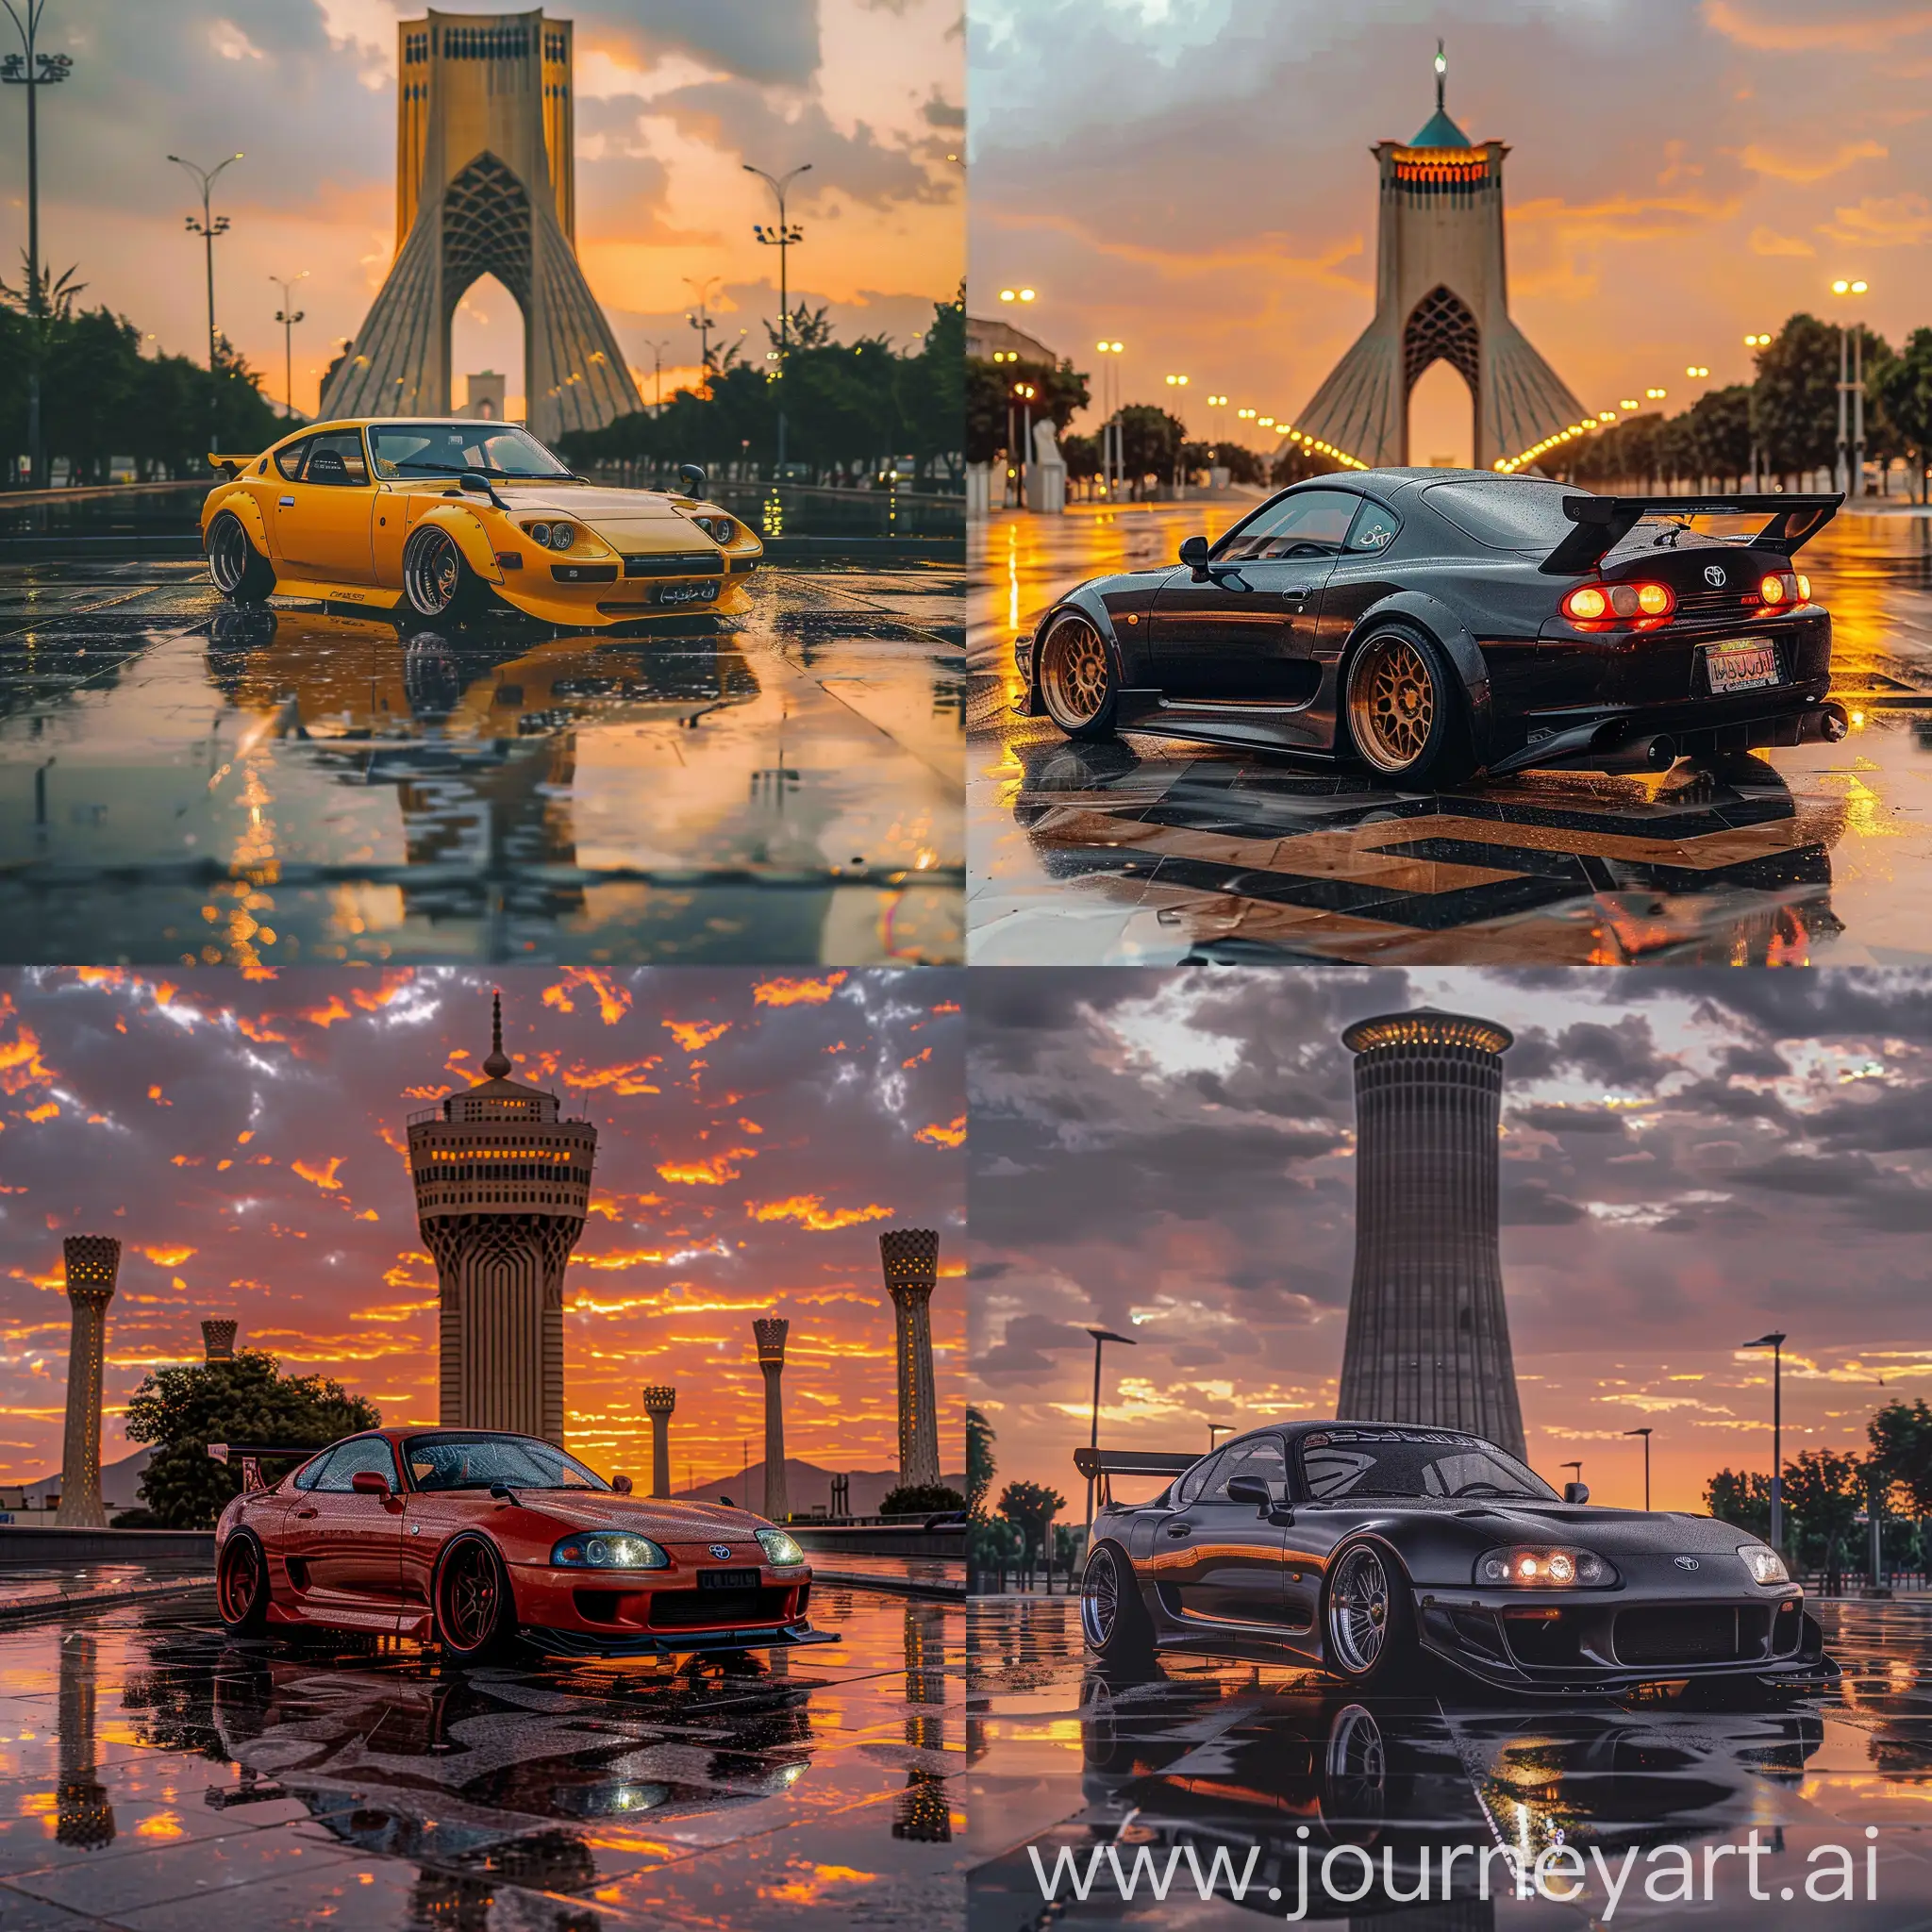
(1687,1562)
(1714,575)
(722,1550)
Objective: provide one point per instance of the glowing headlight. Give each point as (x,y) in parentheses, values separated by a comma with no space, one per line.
(608,1550)
(1528,1568)
(1764,1563)
(780,1547)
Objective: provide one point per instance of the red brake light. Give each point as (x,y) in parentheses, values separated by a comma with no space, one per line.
(1772,590)
(1655,600)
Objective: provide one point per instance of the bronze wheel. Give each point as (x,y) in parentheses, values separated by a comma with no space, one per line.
(1075,678)
(241,1584)
(471,1600)
(1404,713)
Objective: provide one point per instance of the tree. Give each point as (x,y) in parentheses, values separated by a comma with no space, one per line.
(979,1462)
(1824,1492)
(1150,442)
(182,1410)
(921,1499)
(1903,385)
(1030,1508)
(1796,393)
(1901,1438)
(994,422)
(1740,1498)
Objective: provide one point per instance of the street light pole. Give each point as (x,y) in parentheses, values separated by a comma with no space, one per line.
(207,228)
(1645,1434)
(782,238)
(1851,385)
(1101,1336)
(1775,1343)
(288,315)
(33,71)
(657,350)
(702,321)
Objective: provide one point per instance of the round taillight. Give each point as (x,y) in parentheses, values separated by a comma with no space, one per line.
(1771,590)
(1585,601)
(1654,600)
(1804,590)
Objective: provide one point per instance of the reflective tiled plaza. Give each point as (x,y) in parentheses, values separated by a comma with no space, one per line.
(155,1775)
(1150,851)
(1250,1760)
(181,780)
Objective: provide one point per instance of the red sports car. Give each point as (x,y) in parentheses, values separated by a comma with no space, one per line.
(476,1538)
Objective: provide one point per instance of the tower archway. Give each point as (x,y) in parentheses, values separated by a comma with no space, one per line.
(1442,328)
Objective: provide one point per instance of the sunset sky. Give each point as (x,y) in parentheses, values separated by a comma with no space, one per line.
(244,1141)
(674,97)
(1689,1159)
(1683,173)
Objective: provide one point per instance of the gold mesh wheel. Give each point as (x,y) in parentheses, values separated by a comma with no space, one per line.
(1075,677)
(1392,703)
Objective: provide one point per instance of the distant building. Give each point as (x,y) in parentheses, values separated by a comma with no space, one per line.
(483,396)
(910,1259)
(93,1267)
(983,337)
(502,1184)
(1428,1335)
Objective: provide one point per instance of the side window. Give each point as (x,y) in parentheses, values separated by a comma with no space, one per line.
(337,458)
(365,1451)
(289,461)
(1189,1485)
(310,1472)
(1261,1457)
(1308,523)
(1375,528)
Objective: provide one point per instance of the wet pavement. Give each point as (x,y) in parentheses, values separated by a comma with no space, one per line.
(154,1774)
(1149,851)
(182,781)
(1254,1762)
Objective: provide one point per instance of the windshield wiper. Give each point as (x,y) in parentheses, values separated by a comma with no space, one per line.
(485,470)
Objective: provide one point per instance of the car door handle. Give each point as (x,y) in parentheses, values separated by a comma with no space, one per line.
(1179,1528)
(306,1513)
(285,502)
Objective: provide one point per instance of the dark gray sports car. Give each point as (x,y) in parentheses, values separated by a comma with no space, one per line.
(1432,624)
(1385,1552)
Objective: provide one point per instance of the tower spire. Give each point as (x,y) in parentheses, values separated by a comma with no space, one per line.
(497,1065)
(1441,74)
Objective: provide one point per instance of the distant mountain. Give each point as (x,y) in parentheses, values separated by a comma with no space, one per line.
(808,1487)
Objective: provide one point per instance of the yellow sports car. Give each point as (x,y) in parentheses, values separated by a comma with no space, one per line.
(441,518)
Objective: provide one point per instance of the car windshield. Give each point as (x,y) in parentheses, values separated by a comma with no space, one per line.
(476,1462)
(1337,1463)
(447,449)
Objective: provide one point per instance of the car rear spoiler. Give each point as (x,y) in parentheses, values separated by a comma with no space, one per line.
(228,466)
(1104,1465)
(1603,522)
(250,1455)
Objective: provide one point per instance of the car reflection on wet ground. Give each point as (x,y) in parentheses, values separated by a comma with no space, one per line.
(1150,851)
(181,780)
(154,1774)
(1236,1757)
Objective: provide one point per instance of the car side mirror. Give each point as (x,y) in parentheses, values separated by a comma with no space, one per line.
(621,1484)
(1195,555)
(475,482)
(369,1482)
(1577,1493)
(692,477)
(726,1501)
(1250,1489)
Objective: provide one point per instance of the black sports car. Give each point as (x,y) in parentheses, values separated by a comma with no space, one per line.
(1438,622)
(1375,1550)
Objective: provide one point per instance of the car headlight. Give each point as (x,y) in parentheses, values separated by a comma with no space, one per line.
(780,1547)
(1764,1563)
(562,536)
(538,533)
(608,1550)
(1543,1568)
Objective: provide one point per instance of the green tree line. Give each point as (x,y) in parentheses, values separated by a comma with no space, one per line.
(850,409)
(100,397)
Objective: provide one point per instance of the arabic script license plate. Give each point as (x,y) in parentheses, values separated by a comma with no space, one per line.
(728,1579)
(706,593)
(1740,666)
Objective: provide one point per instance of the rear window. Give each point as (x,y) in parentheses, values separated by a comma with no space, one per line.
(1511,513)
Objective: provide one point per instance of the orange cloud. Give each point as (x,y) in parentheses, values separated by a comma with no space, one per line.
(45,1111)
(923,1053)
(166,1257)
(796,992)
(1826,29)
(620,1080)
(1808,168)
(936,1135)
(326,1016)
(323,1177)
(396,981)
(613,1001)
(713,1173)
(810,1212)
(632,1257)
(694,1035)
(154,1094)
(21,1065)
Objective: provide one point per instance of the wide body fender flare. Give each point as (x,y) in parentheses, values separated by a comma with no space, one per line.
(472,538)
(1441,623)
(1132,653)
(245,508)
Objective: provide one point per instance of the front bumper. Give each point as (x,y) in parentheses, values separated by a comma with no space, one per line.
(1583,1645)
(593,591)
(653,1610)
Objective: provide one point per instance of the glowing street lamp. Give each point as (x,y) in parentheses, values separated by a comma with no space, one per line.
(1850,383)
(1656,395)
(1697,369)
(1176,382)
(1757,341)
(1630,402)
(1019,294)
(1112,461)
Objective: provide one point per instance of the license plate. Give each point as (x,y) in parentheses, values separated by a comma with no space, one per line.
(1740,666)
(728,1579)
(687,594)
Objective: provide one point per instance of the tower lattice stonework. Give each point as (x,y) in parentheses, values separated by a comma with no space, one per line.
(1441,295)
(93,1266)
(768,1332)
(486,184)
(502,1184)
(1428,1335)
(660,1400)
(910,1257)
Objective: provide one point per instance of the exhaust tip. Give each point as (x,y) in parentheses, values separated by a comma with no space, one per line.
(1660,754)
(1833,724)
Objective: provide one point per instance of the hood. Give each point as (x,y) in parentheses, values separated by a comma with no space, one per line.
(663,1519)
(591,502)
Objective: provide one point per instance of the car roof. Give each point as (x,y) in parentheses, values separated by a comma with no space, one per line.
(1295,1431)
